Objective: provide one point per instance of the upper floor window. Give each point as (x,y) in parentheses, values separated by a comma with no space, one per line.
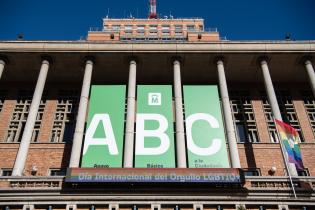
(20,114)
(303,172)
(105,27)
(287,110)
(65,116)
(57,172)
(141,27)
(190,27)
(128,27)
(116,27)
(309,104)
(165,27)
(251,172)
(178,27)
(153,27)
(3,94)
(243,115)
(6,172)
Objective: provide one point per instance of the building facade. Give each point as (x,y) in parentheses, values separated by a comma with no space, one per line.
(45,97)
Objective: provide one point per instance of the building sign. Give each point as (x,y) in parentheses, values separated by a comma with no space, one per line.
(154,175)
(154,146)
(103,143)
(204,128)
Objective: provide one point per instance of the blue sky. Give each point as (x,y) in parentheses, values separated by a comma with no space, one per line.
(237,20)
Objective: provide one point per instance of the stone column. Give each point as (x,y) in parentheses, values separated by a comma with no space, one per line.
(274,106)
(230,130)
(311,74)
(79,128)
(30,122)
(2,64)
(180,135)
(270,90)
(130,118)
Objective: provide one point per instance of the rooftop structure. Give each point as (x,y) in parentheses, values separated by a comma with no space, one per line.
(163,30)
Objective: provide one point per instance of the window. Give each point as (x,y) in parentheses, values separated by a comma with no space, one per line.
(178,27)
(105,27)
(309,104)
(153,33)
(178,33)
(165,27)
(153,27)
(140,27)
(65,116)
(3,94)
(287,112)
(303,172)
(20,114)
(251,171)
(243,115)
(57,172)
(128,27)
(269,119)
(6,171)
(115,27)
(190,27)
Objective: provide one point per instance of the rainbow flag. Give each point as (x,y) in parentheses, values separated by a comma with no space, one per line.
(290,138)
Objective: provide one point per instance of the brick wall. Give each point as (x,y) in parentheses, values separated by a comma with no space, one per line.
(8,154)
(262,156)
(45,156)
(47,121)
(5,117)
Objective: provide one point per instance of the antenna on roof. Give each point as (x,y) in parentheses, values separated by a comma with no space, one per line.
(152,14)
(107,16)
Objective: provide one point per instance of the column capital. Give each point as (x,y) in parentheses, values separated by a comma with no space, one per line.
(47,59)
(133,59)
(4,60)
(89,59)
(127,60)
(306,60)
(177,59)
(220,60)
(263,60)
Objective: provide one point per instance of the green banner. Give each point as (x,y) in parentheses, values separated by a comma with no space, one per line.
(204,128)
(154,127)
(103,143)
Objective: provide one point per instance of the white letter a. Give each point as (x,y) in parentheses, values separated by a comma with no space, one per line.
(109,140)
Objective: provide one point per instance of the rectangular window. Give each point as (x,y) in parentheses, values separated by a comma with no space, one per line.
(251,171)
(141,27)
(20,114)
(6,171)
(57,172)
(128,27)
(287,110)
(303,172)
(165,27)
(309,104)
(3,94)
(190,27)
(65,116)
(243,116)
(178,27)
(153,33)
(115,27)
(153,27)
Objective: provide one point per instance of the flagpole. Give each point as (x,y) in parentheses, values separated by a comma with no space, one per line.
(285,159)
